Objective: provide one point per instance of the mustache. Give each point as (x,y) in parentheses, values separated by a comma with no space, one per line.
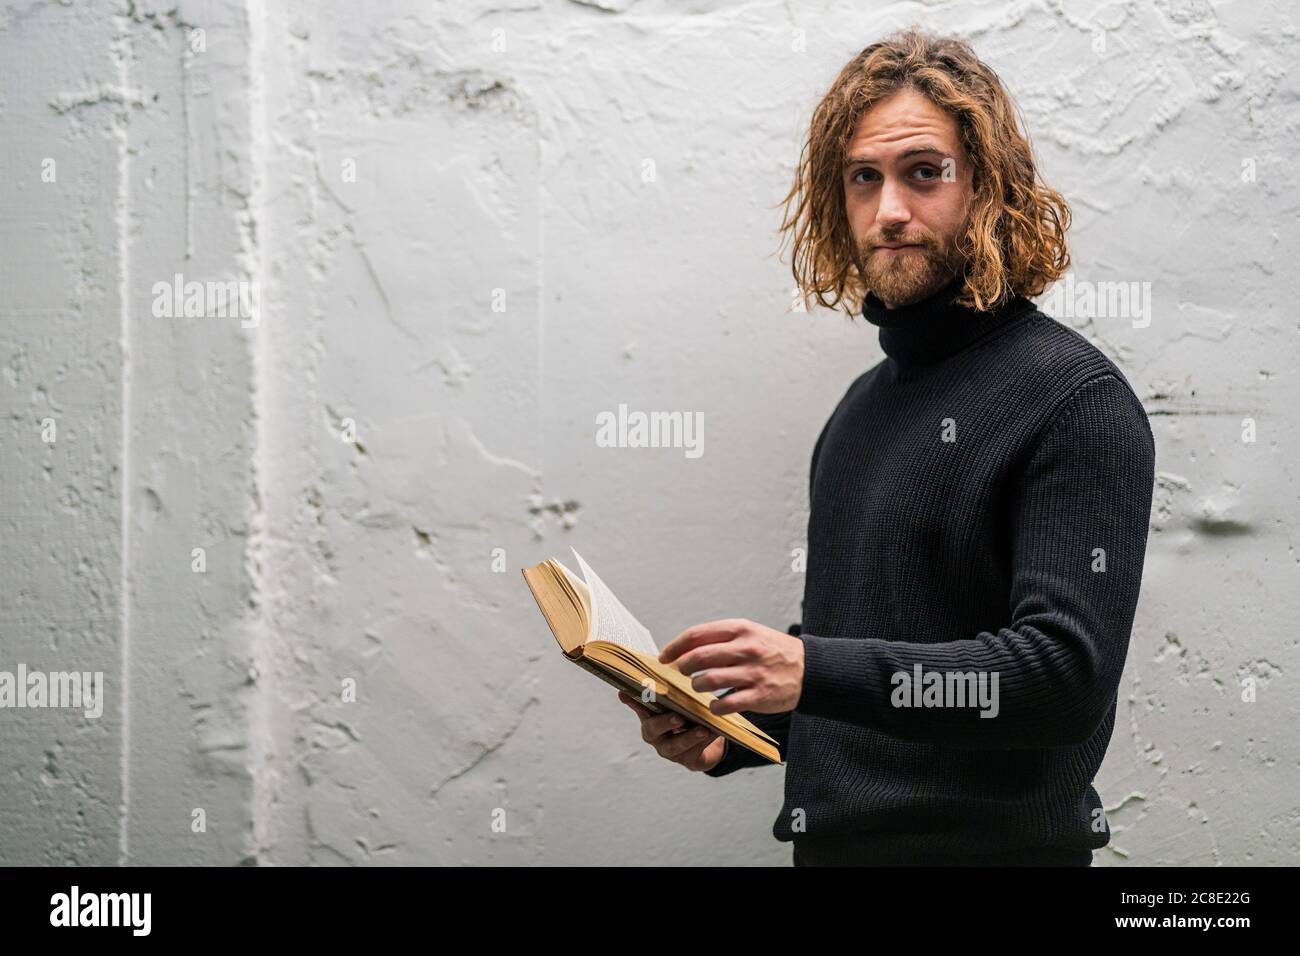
(925,241)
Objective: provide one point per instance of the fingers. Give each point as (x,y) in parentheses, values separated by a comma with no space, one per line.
(724,677)
(641,710)
(725,654)
(735,702)
(653,729)
(653,726)
(679,747)
(701,634)
(670,734)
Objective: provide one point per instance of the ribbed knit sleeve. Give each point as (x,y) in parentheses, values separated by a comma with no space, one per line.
(1081,512)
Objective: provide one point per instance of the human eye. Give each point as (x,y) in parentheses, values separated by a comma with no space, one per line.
(865,171)
(925,173)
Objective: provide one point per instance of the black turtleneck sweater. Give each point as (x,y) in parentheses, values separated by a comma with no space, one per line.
(979,505)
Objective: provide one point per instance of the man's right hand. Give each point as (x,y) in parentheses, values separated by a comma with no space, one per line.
(695,748)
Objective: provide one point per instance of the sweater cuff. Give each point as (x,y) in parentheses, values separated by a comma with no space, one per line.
(836,680)
(735,757)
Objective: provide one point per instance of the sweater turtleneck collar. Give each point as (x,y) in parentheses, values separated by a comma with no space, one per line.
(934,328)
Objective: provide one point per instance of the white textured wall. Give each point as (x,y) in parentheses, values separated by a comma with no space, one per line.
(501,155)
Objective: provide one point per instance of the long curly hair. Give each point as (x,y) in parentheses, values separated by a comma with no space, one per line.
(1015,241)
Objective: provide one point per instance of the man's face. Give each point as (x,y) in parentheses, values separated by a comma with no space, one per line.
(907,191)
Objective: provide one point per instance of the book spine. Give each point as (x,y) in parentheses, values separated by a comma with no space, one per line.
(626,686)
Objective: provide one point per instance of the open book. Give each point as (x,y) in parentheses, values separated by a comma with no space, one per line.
(598,633)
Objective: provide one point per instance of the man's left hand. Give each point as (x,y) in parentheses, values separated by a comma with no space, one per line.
(763,665)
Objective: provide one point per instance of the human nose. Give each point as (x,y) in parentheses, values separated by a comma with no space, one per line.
(893,210)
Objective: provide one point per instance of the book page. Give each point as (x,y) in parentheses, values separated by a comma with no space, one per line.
(583,593)
(610,620)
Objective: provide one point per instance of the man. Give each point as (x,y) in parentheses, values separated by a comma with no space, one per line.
(979,503)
